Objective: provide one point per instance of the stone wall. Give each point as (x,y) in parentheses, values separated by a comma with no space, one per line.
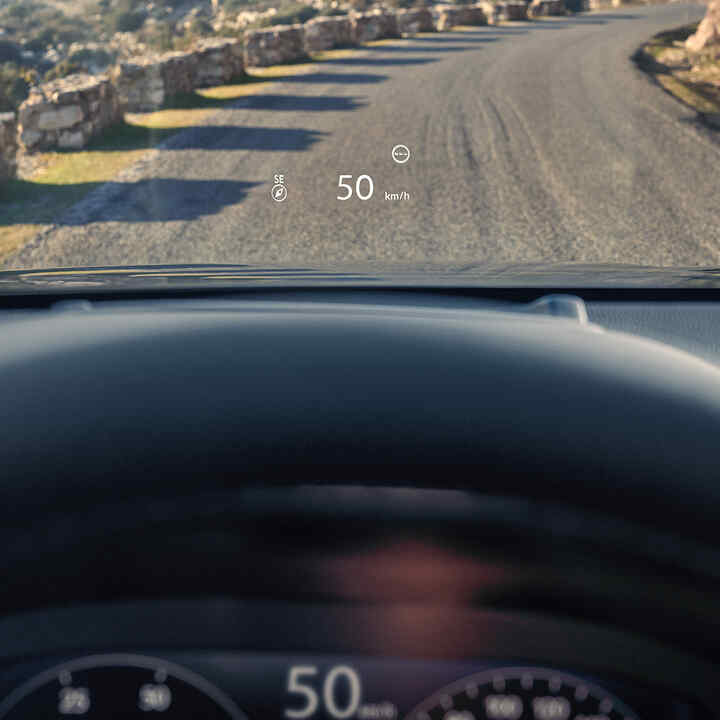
(446,17)
(374,25)
(219,60)
(449,16)
(325,33)
(708,32)
(66,113)
(8,146)
(511,11)
(544,8)
(474,15)
(413,21)
(145,83)
(274,46)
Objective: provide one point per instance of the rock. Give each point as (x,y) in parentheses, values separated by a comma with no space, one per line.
(218,60)
(415,20)
(274,46)
(490,10)
(8,146)
(474,15)
(140,84)
(46,120)
(29,139)
(71,140)
(545,8)
(446,17)
(449,16)
(178,71)
(708,32)
(374,25)
(325,33)
(64,117)
(511,11)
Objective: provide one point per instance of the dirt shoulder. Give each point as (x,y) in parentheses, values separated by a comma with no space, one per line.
(692,78)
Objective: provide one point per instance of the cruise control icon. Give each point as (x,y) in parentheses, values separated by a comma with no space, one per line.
(401,154)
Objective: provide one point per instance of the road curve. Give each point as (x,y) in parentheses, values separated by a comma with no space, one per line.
(530,142)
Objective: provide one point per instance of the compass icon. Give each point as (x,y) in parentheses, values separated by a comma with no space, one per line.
(279,193)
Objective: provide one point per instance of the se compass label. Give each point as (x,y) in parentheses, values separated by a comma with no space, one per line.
(279,191)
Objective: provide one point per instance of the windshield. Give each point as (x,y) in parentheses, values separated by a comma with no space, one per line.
(346,132)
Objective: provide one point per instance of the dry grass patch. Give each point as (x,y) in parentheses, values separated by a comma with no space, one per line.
(58,180)
(692,78)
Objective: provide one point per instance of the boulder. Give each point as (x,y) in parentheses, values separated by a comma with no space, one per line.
(61,118)
(511,11)
(447,17)
(374,25)
(8,146)
(178,71)
(66,113)
(218,60)
(546,8)
(474,15)
(325,33)
(414,20)
(140,84)
(274,46)
(708,32)
(490,10)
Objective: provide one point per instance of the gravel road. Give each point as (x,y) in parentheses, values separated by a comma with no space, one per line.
(529,142)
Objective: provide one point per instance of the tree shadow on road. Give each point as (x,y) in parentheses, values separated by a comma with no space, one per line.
(575,20)
(344,78)
(299,103)
(158,200)
(232,137)
(380,61)
(153,200)
(438,47)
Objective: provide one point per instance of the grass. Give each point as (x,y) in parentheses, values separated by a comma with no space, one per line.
(31,204)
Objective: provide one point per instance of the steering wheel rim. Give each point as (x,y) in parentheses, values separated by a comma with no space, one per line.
(110,403)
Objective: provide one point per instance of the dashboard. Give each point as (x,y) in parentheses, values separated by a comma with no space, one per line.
(335,687)
(427,604)
(165,554)
(588,673)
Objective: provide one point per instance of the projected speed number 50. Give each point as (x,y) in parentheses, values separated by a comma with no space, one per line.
(362,187)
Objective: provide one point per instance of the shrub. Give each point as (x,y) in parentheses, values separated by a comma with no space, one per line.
(15,82)
(63,69)
(159,37)
(235,5)
(86,58)
(296,13)
(9,52)
(127,21)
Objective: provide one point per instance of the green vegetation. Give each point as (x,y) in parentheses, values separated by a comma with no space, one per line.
(63,178)
(42,25)
(62,69)
(15,82)
(126,16)
(290,14)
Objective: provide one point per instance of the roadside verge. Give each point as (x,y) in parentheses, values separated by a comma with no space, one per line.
(691,78)
(50,183)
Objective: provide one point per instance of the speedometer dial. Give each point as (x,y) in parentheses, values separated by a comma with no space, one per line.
(522,694)
(118,686)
